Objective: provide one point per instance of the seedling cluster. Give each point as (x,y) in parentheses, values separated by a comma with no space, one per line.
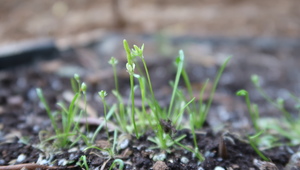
(136,121)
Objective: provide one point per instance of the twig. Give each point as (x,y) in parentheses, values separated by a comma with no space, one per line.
(31,166)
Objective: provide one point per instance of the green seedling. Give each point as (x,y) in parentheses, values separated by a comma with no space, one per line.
(113,61)
(179,62)
(200,114)
(115,162)
(108,116)
(111,151)
(288,127)
(252,109)
(102,95)
(120,115)
(130,66)
(278,104)
(203,115)
(195,151)
(83,162)
(163,138)
(254,142)
(69,127)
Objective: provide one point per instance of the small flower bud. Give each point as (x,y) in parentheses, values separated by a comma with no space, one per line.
(102,94)
(83,87)
(113,61)
(77,77)
(255,79)
(130,67)
(242,93)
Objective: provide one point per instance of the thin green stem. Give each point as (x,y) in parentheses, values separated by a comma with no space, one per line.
(105,116)
(188,85)
(204,115)
(133,105)
(264,95)
(115,77)
(180,61)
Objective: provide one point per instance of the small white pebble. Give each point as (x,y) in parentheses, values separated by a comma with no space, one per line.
(184,160)
(2,161)
(219,168)
(44,162)
(159,157)
(62,162)
(73,150)
(200,168)
(124,144)
(21,158)
(219,159)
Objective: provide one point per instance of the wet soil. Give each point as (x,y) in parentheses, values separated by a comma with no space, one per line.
(22,116)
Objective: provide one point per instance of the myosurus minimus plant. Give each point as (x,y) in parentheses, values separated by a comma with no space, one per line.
(135,120)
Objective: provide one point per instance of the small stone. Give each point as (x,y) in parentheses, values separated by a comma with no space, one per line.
(124,144)
(73,156)
(294,162)
(44,162)
(209,154)
(184,160)
(73,150)
(159,157)
(219,168)
(235,166)
(262,165)
(12,162)
(36,128)
(15,100)
(160,165)
(219,159)
(200,168)
(21,158)
(62,162)
(2,161)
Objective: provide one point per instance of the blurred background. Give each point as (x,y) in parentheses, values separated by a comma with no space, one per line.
(67,19)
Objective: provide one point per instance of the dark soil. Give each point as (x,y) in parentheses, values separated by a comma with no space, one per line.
(22,117)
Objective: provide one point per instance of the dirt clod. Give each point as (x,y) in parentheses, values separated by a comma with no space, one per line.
(160,165)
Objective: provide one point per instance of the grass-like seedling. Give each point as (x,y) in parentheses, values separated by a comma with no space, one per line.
(252,109)
(111,151)
(110,113)
(287,127)
(115,162)
(83,162)
(103,94)
(253,140)
(200,113)
(113,61)
(67,127)
(269,130)
(130,66)
(164,122)
(278,104)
